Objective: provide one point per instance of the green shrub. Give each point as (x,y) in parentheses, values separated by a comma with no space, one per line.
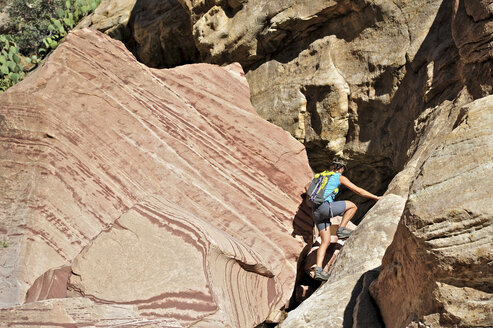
(37,27)
(29,21)
(11,69)
(67,18)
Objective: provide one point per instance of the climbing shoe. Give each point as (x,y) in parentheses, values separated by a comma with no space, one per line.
(343,233)
(321,275)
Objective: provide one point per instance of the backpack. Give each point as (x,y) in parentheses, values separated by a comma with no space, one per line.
(316,189)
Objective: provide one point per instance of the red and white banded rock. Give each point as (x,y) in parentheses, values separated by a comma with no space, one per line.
(163,190)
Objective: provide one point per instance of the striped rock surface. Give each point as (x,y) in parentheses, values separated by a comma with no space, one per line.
(143,197)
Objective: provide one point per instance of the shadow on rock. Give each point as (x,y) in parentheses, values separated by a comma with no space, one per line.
(159,34)
(362,310)
(303,222)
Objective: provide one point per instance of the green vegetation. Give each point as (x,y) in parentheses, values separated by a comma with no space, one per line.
(10,63)
(35,28)
(3,244)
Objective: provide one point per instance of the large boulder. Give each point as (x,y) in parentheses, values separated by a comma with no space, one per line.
(110,17)
(438,270)
(143,196)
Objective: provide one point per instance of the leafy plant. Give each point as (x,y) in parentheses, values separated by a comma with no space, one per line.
(3,244)
(37,26)
(66,20)
(29,21)
(11,68)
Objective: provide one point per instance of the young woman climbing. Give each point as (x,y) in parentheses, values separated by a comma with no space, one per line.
(329,208)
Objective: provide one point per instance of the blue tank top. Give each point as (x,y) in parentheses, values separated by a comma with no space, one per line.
(332,187)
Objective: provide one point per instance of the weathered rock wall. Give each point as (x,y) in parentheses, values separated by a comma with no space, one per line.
(159,196)
(438,270)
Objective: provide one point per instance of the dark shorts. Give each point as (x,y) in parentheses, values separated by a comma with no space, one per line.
(323,213)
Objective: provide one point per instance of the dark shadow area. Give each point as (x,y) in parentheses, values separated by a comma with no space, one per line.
(370,174)
(160,34)
(304,285)
(266,325)
(318,154)
(314,96)
(362,310)
(230,8)
(303,222)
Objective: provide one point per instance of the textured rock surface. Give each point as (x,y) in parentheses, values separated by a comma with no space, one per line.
(402,291)
(110,17)
(160,188)
(4,16)
(346,293)
(76,312)
(438,269)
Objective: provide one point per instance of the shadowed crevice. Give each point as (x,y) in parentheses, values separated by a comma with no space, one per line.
(362,310)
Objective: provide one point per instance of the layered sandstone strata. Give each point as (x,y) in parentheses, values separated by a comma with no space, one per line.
(158,196)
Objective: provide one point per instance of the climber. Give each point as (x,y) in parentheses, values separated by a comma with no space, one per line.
(329,208)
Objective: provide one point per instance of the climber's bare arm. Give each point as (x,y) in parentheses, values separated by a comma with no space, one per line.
(360,191)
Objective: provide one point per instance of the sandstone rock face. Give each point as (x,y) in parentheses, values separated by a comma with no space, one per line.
(144,197)
(412,270)
(438,269)
(73,312)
